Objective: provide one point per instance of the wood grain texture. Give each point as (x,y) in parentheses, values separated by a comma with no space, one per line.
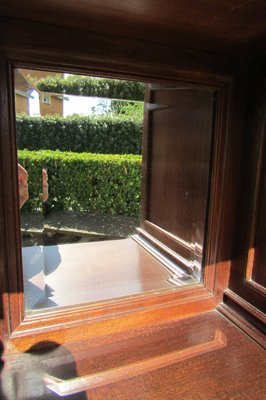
(10,253)
(214,26)
(194,377)
(255,270)
(248,262)
(92,381)
(70,325)
(85,52)
(104,54)
(180,130)
(92,272)
(72,44)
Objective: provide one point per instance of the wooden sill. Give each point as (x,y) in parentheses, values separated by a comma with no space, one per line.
(220,370)
(72,274)
(150,297)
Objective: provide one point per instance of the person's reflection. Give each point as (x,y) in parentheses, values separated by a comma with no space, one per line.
(24,378)
(44,185)
(2,396)
(23,185)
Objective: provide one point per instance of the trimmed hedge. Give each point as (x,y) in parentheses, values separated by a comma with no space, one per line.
(88,86)
(95,183)
(103,135)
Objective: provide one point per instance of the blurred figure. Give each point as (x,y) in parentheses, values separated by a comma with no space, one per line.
(44,185)
(22,377)
(22,185)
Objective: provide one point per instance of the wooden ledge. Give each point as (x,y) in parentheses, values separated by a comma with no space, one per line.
(182,359)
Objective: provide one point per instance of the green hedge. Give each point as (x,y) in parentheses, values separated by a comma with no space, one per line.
(88,86)
(105,135)
(95,183)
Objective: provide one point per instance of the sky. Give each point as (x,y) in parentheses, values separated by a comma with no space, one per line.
(73,105)
(81,105)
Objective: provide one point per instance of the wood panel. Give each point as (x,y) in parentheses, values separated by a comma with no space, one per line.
(248,272)
(10,253)
(105,336)
(72,274)
(215,26)
(181,135)
(62,49)
(256,262)
(78,51)
(82,51)
(191,376)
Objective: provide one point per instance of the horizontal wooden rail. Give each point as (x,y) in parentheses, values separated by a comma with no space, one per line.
(92,381)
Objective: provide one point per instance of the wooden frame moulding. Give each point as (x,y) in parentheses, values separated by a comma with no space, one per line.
(244,300)
(151,234)
(30,50)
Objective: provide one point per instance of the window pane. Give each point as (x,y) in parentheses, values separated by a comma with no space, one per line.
(80,153)
(180,136)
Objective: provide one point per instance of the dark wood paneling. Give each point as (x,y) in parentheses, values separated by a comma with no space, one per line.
(245,310)
(10,250)
(181,135)
(179,130)
(213,25)
(62,49)
(79,50)
(247,277)
(256,263)
(105,270)
(192,376)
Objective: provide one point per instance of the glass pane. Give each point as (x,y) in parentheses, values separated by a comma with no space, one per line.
(257,253)
(181,129)
(79,161)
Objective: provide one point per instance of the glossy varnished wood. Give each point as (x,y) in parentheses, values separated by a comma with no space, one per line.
(82,41)
(248,272)
(179,162)
(190,376)
(87,52)
(93,272)
(91,52)
(229,26)
(10,254)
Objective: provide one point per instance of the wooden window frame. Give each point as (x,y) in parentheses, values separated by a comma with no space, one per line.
(84,49)
(244,299)
(157,240)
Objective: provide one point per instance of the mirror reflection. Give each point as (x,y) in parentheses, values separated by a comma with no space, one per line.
(79,142)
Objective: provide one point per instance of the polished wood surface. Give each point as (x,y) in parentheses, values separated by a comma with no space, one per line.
(88,382)
(209,45)
(204,357)
(181,128)
(213,25)
(256,263)
(90,272)
(11,285)
(247,317)
(91,53)
(248,271)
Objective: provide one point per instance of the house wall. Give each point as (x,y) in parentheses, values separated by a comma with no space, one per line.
(22,104)
(56,107)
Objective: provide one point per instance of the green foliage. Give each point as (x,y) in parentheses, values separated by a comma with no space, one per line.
(131,109)
(89,86)
(122,108)
(97,134)
(95,183)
